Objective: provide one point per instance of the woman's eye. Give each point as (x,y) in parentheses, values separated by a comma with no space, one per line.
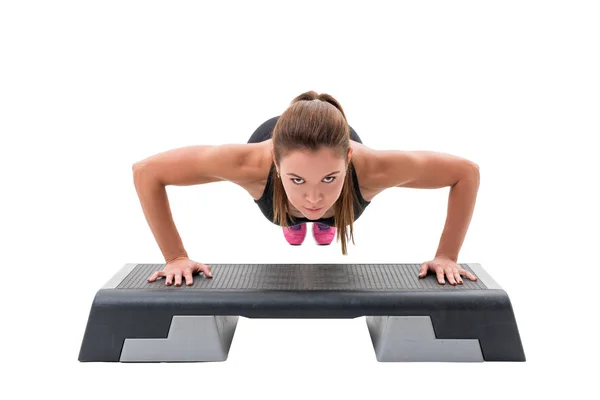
(333,178)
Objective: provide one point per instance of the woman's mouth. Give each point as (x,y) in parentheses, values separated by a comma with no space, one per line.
(313,210)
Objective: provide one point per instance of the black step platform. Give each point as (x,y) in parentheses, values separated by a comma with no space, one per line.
(409,319)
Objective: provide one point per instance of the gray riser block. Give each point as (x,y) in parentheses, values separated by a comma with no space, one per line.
(190,338)
(412,338)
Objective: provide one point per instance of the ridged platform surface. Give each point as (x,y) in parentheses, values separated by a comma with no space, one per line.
(311,277)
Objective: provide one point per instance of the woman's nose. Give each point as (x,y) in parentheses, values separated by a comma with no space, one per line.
(314,197)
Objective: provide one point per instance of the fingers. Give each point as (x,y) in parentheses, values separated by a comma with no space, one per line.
(178,278)
(423,270)
(155,275)
(450,272)
(440,276)
(188,277)
(468,275)
(454,275)
(457,277)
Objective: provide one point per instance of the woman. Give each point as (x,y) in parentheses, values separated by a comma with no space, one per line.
(306,165)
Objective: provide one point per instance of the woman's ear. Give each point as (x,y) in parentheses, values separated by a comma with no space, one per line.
(274,161)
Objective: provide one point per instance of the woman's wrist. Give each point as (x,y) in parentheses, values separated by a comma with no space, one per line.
(177,258)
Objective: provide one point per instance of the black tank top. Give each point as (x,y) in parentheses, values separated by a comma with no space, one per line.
(265,203)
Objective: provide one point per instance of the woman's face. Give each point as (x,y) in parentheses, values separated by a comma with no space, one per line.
(313,180)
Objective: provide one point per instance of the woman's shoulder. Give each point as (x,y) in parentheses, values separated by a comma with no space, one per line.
(365,166)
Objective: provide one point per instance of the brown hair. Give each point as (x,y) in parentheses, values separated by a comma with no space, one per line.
(312,125)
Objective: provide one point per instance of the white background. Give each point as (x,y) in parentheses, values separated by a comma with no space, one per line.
(89,88)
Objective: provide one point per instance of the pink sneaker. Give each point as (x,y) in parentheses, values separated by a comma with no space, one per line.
(323,234)
(295,234)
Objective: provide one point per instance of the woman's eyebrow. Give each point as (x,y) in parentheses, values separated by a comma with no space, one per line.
(291,173)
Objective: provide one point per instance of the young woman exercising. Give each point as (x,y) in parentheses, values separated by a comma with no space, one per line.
(307,165)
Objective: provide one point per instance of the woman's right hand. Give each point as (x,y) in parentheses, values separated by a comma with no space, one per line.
(183,267)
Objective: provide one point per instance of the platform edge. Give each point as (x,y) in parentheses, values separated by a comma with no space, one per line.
(119,276)
(482,274)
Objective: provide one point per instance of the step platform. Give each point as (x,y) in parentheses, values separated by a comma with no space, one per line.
(408,319)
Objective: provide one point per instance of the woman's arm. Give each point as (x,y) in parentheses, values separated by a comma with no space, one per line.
(155,204)
(192,165)
(433,170)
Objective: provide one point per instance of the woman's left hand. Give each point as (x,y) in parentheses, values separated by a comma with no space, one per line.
(445,266)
